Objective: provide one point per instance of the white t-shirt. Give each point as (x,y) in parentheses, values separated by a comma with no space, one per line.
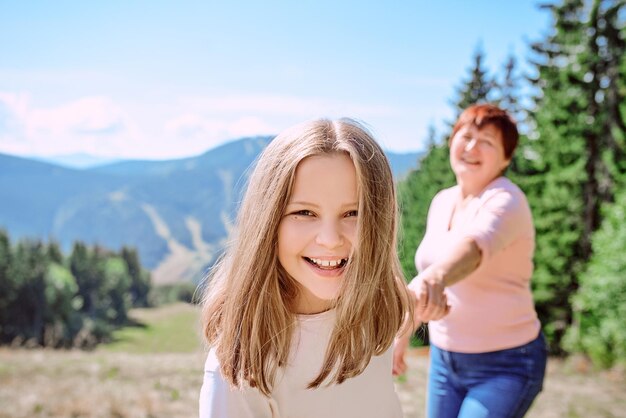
(368,395)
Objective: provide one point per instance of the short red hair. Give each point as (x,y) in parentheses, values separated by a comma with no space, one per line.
(481,115)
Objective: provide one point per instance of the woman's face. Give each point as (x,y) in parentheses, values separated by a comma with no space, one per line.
(318,229)
(477,156)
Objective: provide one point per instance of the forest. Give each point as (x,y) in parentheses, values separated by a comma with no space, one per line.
(47,299)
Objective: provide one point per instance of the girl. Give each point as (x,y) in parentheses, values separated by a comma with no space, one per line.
(301,312)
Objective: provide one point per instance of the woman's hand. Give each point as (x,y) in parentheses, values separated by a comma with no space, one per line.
(432,302)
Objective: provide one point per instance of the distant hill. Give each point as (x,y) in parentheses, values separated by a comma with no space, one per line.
(402,163)
(79,161)
(177,213)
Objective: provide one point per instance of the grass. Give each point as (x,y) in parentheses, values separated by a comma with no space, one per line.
(170,329)
(156,371)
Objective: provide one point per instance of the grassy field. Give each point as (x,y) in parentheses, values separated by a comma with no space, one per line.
(169,329)
(156,371)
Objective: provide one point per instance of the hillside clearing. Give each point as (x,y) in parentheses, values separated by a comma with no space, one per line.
(134,377)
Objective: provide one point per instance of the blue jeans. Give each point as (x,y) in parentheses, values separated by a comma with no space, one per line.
(496,384)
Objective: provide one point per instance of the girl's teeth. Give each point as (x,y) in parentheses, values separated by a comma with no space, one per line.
(326,263)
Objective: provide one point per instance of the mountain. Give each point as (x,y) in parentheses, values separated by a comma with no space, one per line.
(177,213)
(32,194)
(79,160)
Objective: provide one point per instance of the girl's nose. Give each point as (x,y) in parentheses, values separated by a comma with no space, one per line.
(329,235)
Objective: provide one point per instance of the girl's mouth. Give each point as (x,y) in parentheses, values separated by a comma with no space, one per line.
(327,264)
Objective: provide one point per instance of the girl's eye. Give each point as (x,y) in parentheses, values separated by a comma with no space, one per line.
(351,213)
(303,212)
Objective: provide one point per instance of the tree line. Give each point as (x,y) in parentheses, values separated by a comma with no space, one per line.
(570,163)
(50,300)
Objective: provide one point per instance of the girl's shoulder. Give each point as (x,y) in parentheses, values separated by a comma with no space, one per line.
(219,399)
(211,364)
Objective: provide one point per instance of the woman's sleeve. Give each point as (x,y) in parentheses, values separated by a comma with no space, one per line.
(503,218)
(219,400)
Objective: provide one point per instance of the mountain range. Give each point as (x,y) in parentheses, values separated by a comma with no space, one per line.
(177,213)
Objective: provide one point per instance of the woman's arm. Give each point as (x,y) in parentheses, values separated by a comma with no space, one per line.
(429,299)
(462,260)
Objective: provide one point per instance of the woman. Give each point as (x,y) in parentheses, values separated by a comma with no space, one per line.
(487,354)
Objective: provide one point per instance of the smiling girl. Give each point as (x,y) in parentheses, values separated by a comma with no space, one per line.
(301,312)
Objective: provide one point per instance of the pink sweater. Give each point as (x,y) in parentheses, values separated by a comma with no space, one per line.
(492,308)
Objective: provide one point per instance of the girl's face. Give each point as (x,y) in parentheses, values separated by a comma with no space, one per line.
(477,156)
(318,229)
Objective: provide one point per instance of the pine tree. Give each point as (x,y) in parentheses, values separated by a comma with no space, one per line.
(509,97)
(115,298)
(478,88)
(140,279)
(600,303)
(571,176)
(508,94)
(54,252)
(7,285)
(27,312)
(62,320)
(83,271)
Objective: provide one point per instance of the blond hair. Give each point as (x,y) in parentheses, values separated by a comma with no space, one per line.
(247,306)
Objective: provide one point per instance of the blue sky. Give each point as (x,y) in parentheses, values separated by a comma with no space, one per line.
(168,79)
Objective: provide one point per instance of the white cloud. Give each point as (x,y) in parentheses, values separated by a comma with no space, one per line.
(89,124)
(101,126)
(89,115)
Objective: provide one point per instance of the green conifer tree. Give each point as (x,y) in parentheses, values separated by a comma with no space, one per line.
(7,284)
(477,87)
(27,312)
(82,270)
(600,303)
(573,175)
(140,279)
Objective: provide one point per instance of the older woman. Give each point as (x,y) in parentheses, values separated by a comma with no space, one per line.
(487,355)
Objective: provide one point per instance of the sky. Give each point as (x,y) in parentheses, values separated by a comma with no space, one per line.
(139,79)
